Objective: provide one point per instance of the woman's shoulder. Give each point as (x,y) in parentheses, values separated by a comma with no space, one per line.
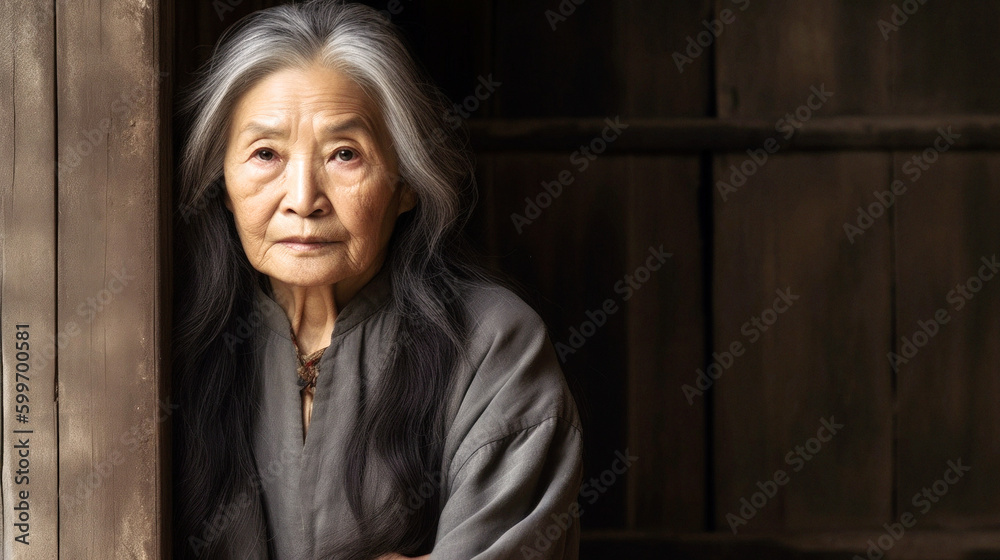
(492,308)
(501,326)
(513,380)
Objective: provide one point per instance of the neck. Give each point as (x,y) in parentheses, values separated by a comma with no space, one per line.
(312,310)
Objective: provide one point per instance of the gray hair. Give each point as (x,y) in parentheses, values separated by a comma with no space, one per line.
(361,43)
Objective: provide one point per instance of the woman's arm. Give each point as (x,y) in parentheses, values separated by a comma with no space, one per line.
(514,465)
(516,498)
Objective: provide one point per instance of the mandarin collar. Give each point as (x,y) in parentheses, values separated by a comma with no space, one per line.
(368,300)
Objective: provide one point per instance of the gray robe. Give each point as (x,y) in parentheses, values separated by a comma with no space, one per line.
(512,462)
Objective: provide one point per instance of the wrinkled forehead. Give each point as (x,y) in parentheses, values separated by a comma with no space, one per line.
(329,96)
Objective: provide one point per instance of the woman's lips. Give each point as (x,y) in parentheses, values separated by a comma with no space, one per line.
(305,243)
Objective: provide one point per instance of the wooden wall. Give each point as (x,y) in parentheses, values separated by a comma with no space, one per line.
(874,85)
(72,221)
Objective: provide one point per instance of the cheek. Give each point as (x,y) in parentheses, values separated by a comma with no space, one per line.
(250,222)
(252,218)
(364,213)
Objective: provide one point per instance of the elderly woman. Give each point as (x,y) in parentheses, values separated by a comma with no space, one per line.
(350,386)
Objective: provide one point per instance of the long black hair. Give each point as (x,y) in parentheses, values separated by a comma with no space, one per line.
(400,428)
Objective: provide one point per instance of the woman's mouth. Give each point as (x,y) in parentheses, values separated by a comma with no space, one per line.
(305,243)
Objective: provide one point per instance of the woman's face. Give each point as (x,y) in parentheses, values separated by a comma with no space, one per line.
(311,179)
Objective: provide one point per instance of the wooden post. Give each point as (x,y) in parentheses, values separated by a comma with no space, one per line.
(111,194)
(28,322)
(82,198)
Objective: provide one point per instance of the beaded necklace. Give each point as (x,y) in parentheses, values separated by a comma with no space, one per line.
(308,370)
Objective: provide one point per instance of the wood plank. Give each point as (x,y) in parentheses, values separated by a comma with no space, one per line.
(647,82)
(692,135)
(666,341)
(823,357)
(537,84)
(944,76)
(774,52)
(665,319)
(30,474)
(536,42)
(946,225)
(109,270)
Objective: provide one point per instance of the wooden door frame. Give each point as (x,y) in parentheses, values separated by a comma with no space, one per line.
(86,206)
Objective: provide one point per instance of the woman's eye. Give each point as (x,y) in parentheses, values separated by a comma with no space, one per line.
(264,154)
(344,155)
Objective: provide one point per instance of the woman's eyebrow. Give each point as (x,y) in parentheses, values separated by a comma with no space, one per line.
(261,130)
(264,130)
(353,124)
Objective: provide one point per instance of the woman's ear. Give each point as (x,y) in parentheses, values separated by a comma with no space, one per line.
(407,198)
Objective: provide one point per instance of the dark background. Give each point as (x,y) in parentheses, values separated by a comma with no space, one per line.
(899,73)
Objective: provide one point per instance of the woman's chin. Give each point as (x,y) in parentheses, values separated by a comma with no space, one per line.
(307,278)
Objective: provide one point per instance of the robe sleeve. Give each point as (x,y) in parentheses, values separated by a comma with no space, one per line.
(516,498)
(512,484)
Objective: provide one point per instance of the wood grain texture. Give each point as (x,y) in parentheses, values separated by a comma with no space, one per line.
(610,61)
(774,52)
(27,277)
(822,357)
(109,75)
(877,58)
(946,224)
(601,59)
(946,227)
(666,340)
(944,59)
(646,81)
(692,135)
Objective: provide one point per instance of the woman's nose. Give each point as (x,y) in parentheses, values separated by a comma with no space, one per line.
(305,195)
